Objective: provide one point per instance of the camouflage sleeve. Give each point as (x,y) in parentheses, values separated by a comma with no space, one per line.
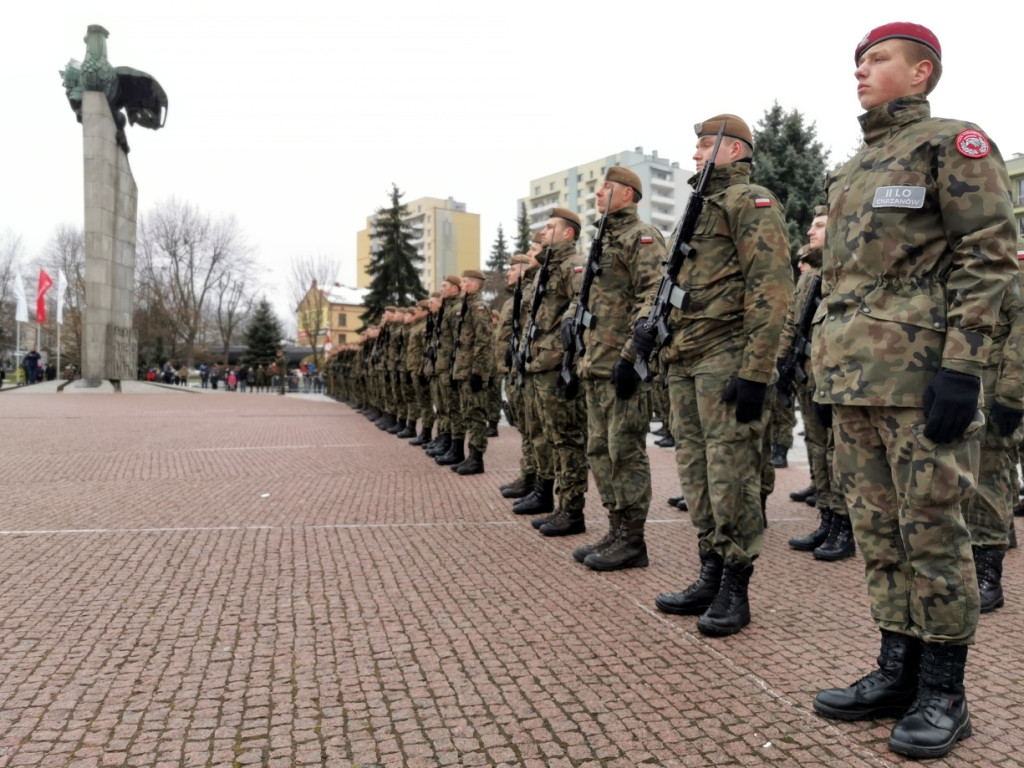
(502,333)
(979,227)
(789,327)
(414,348)
(762,247)
(482,342)
(1009,389)
(645,270)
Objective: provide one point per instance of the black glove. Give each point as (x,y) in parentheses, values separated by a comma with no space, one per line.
(570,390)
(950,403)
(387,377)
(508,358)
(749,397)
(824,413)
(408,378)
(424,381)
(1005,420)
(567,334)
(643,338)
(625,379)
(452,382)
(476,382)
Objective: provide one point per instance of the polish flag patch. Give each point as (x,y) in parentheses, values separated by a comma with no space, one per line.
(646,239)
(578,269)
(762,202)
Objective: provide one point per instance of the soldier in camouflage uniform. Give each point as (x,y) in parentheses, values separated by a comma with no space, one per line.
(430,373)
(562,419)
(918,254)
(449,451)
(618,403)
(494,385)
(419,395)
(721,360)
(472,368)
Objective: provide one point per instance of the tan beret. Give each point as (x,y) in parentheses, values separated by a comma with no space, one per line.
(476,274)
(625,176)
(565,213)
(537,237)
(423,303)
(435,295)
(391,308)
(734,127)
(821,210)
(454,280)
(519,258)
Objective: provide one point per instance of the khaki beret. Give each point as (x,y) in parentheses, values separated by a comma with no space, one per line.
(625,176)
(435,295)
(476,274)
(734,127)
(536,237)
(423,303)
(519,258)
(565,213)
(454,280)
(391,308)
(820,210)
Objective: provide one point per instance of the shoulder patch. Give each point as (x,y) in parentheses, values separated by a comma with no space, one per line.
(762,202)
(579,267)
(972,144)
(646,239)
(481,308)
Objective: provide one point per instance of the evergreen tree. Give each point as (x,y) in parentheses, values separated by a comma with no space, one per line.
(498,262)
(524,237)
(791,162)
(262,337)
(394,277)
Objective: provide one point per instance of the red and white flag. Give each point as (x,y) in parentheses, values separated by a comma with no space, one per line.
(327,343)
(42,287)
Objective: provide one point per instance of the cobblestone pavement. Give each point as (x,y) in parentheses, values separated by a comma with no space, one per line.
(246,579)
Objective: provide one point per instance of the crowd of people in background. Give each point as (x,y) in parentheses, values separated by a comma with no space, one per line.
(305,378)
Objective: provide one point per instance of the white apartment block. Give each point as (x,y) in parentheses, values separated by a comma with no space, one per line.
(664,184)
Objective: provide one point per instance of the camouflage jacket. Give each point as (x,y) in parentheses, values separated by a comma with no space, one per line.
(446,341)
(1008,346)
(918,251)
(566,274)
(503,333)
(630,270)
(740,278)
(803,288)
(475,353)
(415,346)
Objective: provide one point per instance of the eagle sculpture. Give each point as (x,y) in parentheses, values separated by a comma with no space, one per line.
(135,92)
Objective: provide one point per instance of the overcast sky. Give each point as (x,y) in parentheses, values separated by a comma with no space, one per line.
(297,117)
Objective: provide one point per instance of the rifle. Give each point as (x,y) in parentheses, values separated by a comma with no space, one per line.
(458,334)
(435,340)
(669,294)
(517,327)
(792,366)
(540,289)
(582,319)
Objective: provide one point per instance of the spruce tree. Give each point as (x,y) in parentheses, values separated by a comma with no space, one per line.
(498,261)
(524,237)
(262,336)
(394,276)
(791,162)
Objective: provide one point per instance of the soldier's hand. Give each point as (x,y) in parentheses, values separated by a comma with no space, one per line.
(567,334)
(476,382)
(950,402)
(748,396)
(643,338)
(424,381)
(570,390)
(823,411)
(625,379)
(1006,420)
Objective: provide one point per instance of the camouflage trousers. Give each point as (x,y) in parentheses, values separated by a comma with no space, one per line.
(564,422)
(989,512)
(408,404)
(534,428)
(617,447)
(422,407)
(474,415)
(456,414)
(904,494)
(767,468)
(528,459)
(782,424)
(821,447)
(439,396)
(659,398)
(719,459)
(493,390)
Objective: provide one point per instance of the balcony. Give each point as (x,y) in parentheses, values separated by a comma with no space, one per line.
(659,218)
(542,210)
(662,200)
(667,184)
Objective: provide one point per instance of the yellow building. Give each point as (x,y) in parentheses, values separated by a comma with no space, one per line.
(330,314)
(443,233)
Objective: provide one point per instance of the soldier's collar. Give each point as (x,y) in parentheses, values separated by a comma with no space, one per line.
(879,123)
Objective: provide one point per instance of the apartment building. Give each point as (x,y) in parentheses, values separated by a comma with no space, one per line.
(1015,167)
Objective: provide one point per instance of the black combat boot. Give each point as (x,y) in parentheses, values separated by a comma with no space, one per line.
(564,523)
(492,429)
(397,428)
(442,446)
(938,718)
(779,460)
(474,465)
(519,487)
(839,544)
(764,509)
(988,562)
(729,612)
(816,538)
(537,522)
(384,421)
(627,550)
(409,431)
(423,438)
(614,522)
(801,495)
(697,597)
(666,442)
(885,692)
(673,501)
(455,455)
(541,500)
(372,414)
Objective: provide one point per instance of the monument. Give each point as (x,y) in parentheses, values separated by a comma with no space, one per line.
(98,92)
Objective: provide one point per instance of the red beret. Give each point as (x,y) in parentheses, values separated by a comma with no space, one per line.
(903,30)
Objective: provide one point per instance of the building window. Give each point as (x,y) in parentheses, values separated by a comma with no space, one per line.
(536,190)
(341,320)
(341,339)
(551,187)
(1020,226)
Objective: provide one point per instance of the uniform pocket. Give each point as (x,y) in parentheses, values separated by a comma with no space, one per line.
(942,474)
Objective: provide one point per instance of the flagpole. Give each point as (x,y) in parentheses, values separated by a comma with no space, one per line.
(58,351)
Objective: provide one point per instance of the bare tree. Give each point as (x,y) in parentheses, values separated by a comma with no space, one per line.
(235,298)
(309,276)
(11,253)
(66,253)
(187,254)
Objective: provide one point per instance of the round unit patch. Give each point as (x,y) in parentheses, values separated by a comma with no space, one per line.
(971,143)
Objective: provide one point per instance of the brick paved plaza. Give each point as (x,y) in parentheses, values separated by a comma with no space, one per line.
(222,579)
